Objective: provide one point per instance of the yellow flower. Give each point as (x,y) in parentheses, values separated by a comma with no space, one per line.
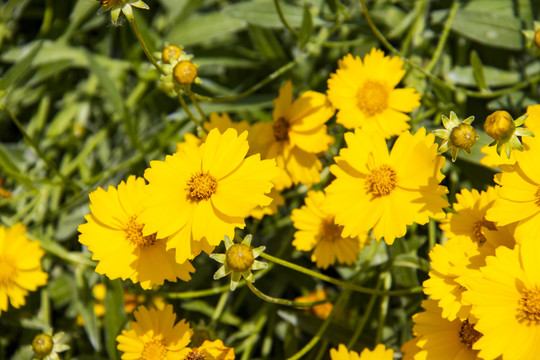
(366,97)
(519,195)
(321,311)
(317,231)
(154,335)
(295,136)
(383,190)
(211,350)
(379,353)
(120,5)
(201,194)
(20,266)
(442,339)
(457,135)
(506,302)
(114,234)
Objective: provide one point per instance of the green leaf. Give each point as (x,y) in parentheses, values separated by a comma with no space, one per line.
(20,67)
(205,28)
(478,71)
(489,28)
(307,27)
(9,167)
(115,317)
(267,44)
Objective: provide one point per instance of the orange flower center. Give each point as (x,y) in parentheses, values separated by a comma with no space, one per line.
(372,97)
(8,271)
(135,236)
(529,306)
(381,181)
(330,231)
(281,129)
(195,354)
(154,350)
(201,186)
(477,230)
(468,334)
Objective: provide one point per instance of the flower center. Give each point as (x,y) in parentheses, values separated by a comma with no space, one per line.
(529,306)
(135,236)
(240,257)
(154,350)
(330,231)
(468,334)
(201,186)
(281,129)
(381,181)
(8,271)
(372,97)
(477,230)
(195,354)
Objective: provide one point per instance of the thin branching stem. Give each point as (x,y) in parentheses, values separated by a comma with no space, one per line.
(284,302)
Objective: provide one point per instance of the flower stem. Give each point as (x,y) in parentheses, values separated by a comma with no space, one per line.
(365,317)
(197,106)
(279,301)
(315,339)
(282,18)
(143,45)
(188,112)
(444,36)
(337,282)
(376,31)
(255,87)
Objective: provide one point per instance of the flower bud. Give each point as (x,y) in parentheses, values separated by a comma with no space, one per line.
(240,257)
(463,136)
(499,125)
(42,345)
(537,38)
(170,51)
(185,72)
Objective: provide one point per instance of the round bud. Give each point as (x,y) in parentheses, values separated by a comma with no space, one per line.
(185,72)
(42,345)
(240,257)
(499,125)
(170,51)
(463,136)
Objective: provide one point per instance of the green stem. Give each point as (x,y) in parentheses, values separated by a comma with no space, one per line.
(255,87)
(196,104)
(432,233)
(188,112)
(282,18)
(376,31)
(363,321)
(144,47)
(279,301)
(337,282)
(315,339)
(220,306)
(50,165)
(444,36)
(420,8)
(387,280)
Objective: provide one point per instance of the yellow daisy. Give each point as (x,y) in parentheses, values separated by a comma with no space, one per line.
(114,234)
(277,200)
(449,263)
(366,97)
(20,266)
(506,302)
(211,350)
(442,339)
(519,197)
(383,190)
(317,231)
(200,195)
(379,353)
(295,136)
(154,335)
(469,220)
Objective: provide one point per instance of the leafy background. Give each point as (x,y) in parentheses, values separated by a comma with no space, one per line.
(81,108)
